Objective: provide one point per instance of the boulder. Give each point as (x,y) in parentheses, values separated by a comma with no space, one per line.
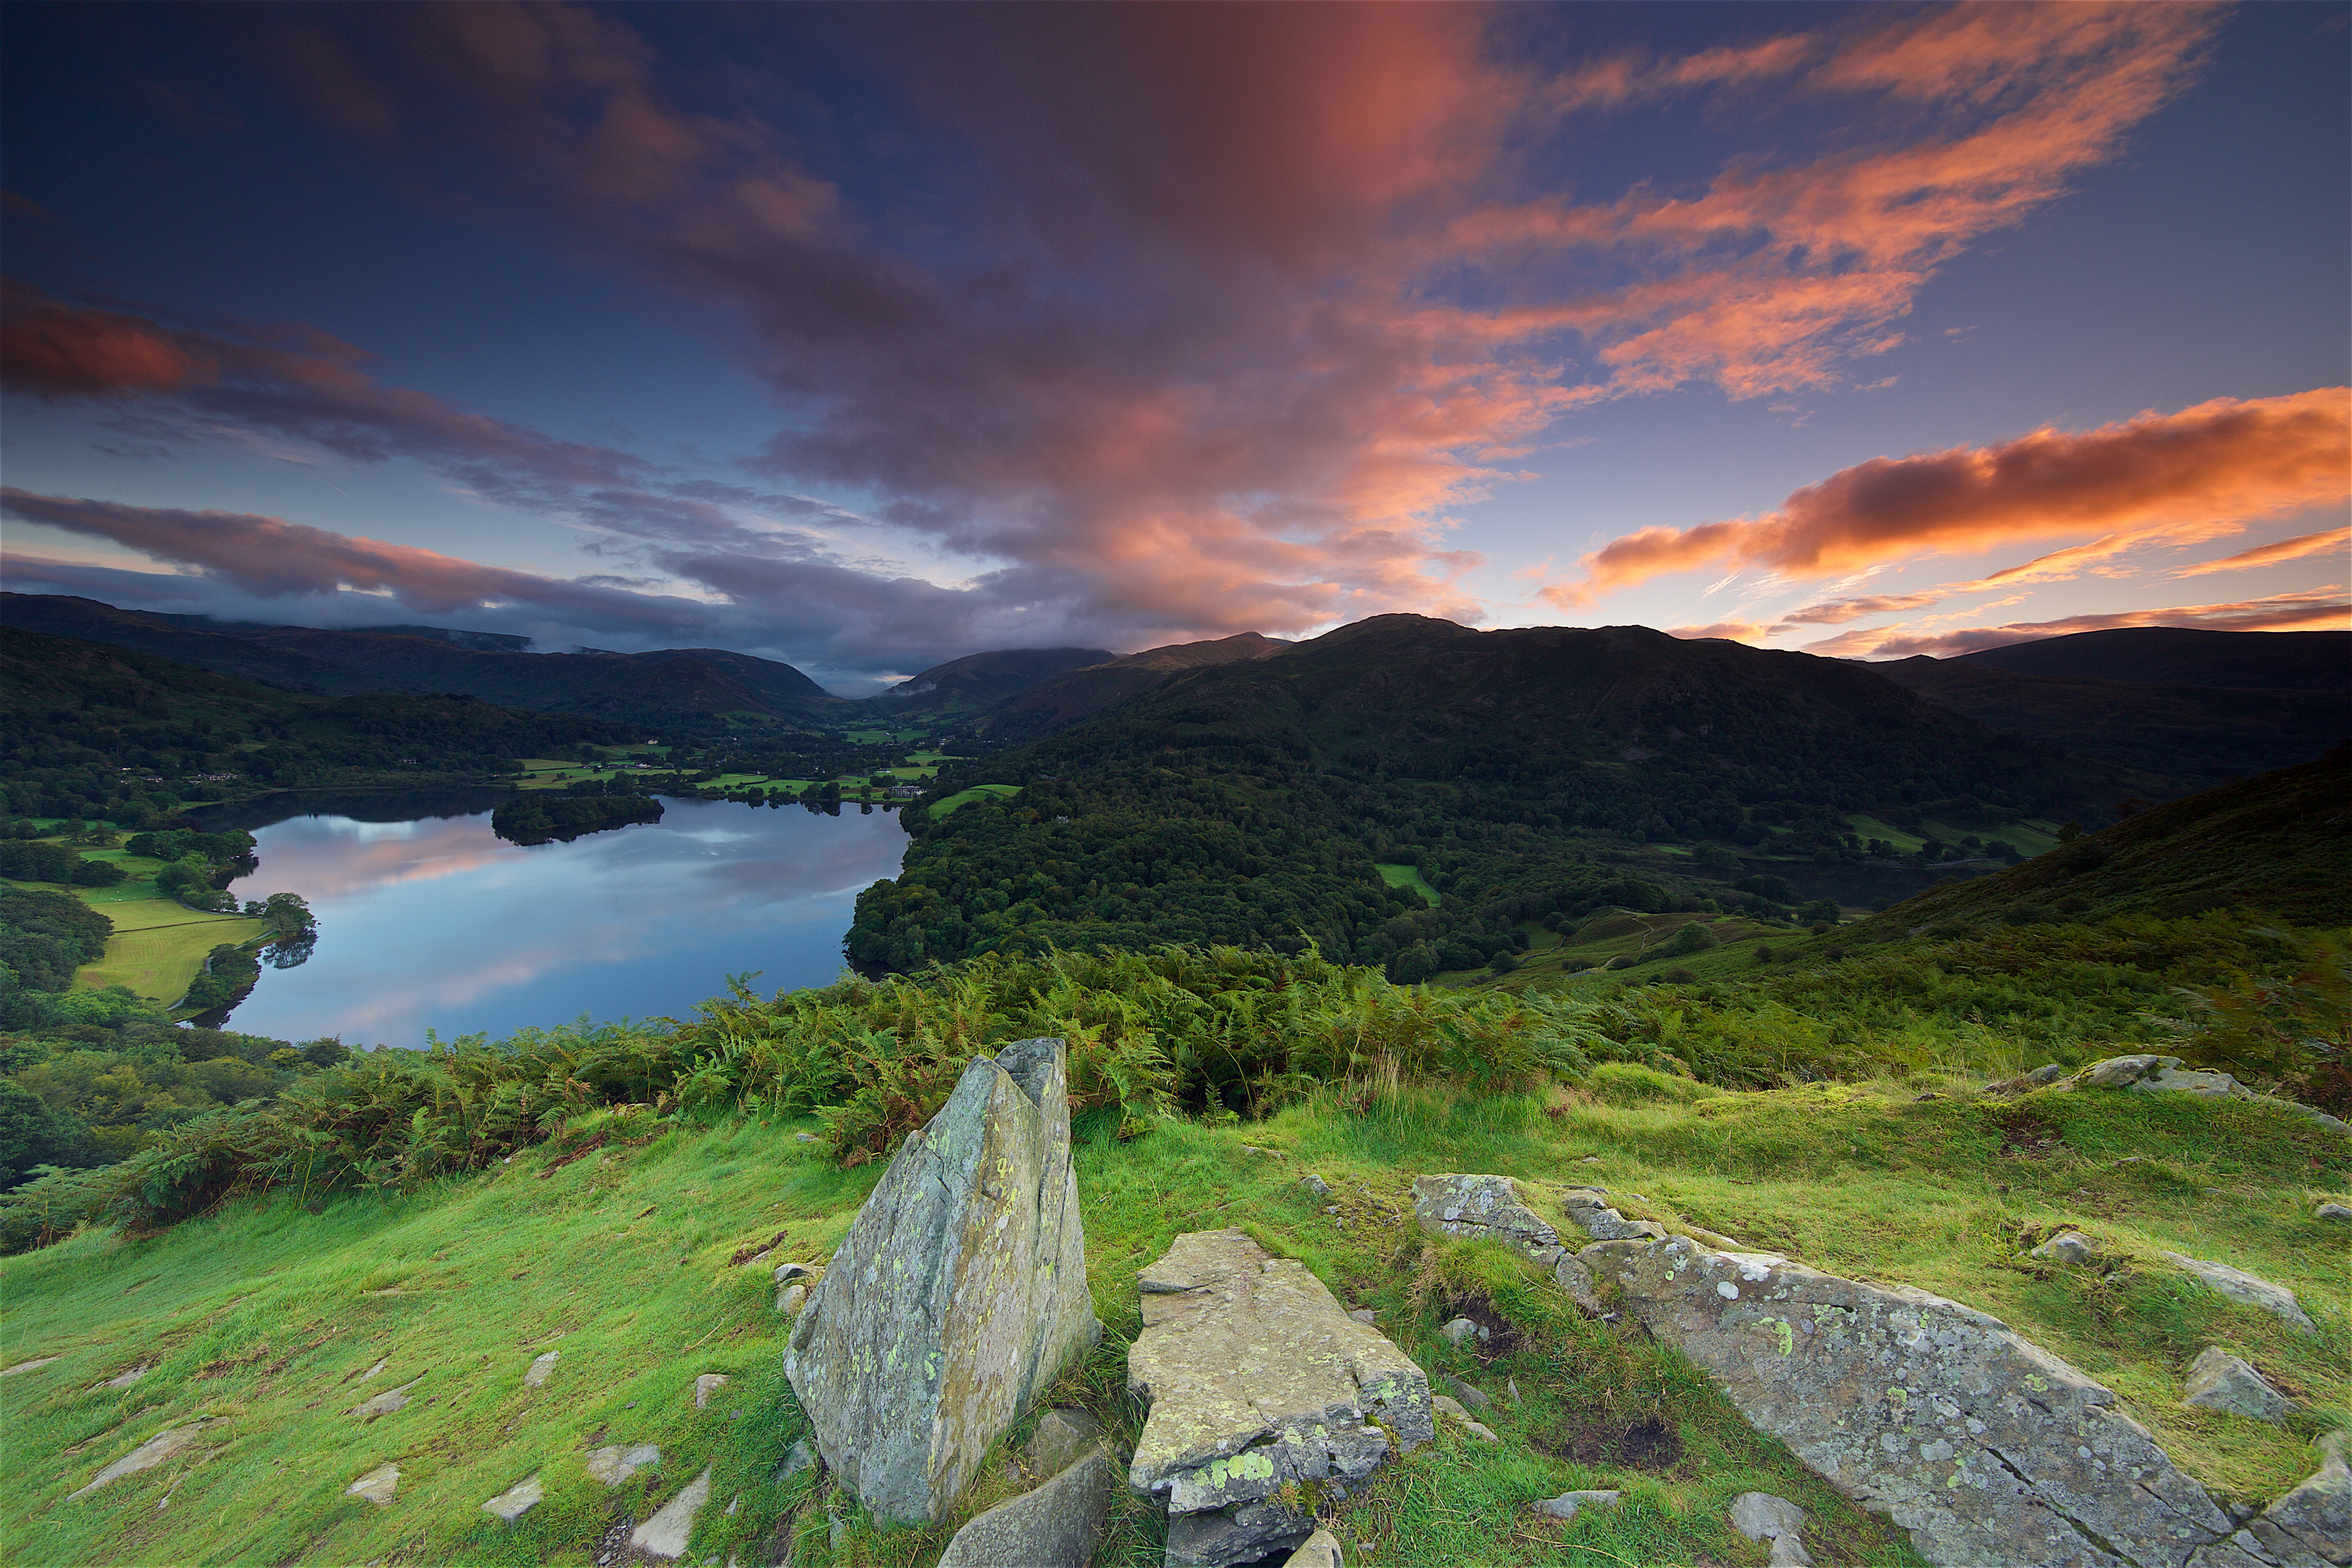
(1461,1331)
(672,1526)
(1321,1550)
(616,1463)
(2068,1248)
(1060,1523)
(378,1485)
(1257,1379)
(958,1295)
(2220,1380)
(516,1500)
(1991,1451)
(145,1457)
(1568,1505)
(2247,1289)
(1486,1207)
(2313,1523)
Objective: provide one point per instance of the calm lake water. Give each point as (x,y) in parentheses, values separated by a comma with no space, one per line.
(437,923)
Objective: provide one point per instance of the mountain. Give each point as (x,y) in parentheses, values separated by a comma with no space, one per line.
(2182,656)
(2198,735)
(662,687)
(1069,697)
(980,680)
(1250,801)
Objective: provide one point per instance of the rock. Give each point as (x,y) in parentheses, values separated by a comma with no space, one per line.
(28,1365)
(708,1384)
(1991,1451)
(1592,1215)
(1461,1331)
(2249,1290)
(1256,1380)
(788,1272)
(616,1463)
(377,1485)
(1063,1437)
(792,1299)
(1446,1405)
(384,1403)
(1321,1550)
(1315,1186)
(1589,1160)
(2313,1523)
(2068,1247)
(1364,1315)
(806,1138)
(2220,1380)
(1760,1516)
(797,1458)
(667,1533)
(540,1367)
(145,1457)
(2048,1072)
(1571,1275)
(378,1367)
(960,1294)
(2339,1212)
(1511,1390)
(1568,1505)
(1485,1207)
(516,1500)
(2149,1073)
(125,1379)
(1059,1525)
(1468,1395)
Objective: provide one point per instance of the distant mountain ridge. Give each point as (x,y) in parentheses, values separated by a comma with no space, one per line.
(1079,693)
(980,680)
(2183,656)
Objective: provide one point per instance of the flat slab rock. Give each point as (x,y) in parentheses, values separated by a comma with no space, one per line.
(958,1296)
(665,1534)
(145,1457)
(2220,1380)
(1058,1523)
(379,1485)
(1485,1207)
(1257,1378)
(2247,1289)
(2311,1525)
(1991,1451)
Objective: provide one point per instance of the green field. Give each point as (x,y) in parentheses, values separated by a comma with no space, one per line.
(2030,839)
(941,808)
(269,1318)
(1409,876)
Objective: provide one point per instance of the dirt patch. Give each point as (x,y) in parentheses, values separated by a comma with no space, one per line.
(1644,1443)
(2025,1136)
(1501,1337)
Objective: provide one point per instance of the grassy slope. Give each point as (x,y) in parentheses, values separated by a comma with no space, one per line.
(266,1317)
(1408,877)
(159,945)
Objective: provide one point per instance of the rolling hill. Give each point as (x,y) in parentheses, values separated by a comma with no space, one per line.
(1080,693)
(980,680)
(2184,656)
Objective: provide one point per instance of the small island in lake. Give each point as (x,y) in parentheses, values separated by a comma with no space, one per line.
(542,819)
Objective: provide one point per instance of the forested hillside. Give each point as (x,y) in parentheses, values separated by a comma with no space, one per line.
(1250,801)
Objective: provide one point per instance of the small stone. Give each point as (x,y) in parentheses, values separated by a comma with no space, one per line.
(665,1534)
(1572,1277)
(540,1367)
(1316,1184)
(377,1485)
(734,1506)
(708,1384)
(2249,1290)
(2048,1072)
(376,1368)
(1568,1505)
(1480,1430)
(1321,1550)
(1511,1390)
(805,1138)
(788,1272)
(792,1299)
(2339,1212)
(125,1379)
(1059,1525)
(1589,1160)
(516,1500)
(1363,1314)
(1468,1396)
(384,1403)
(1760,1516)
(797,1458)
(2068,1248)
(616,1463)
(2220,1380)
(1460,1332)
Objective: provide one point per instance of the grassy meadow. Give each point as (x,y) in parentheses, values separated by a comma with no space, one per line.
(628,1246)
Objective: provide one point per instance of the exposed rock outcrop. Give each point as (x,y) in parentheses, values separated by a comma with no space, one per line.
(665,1534)
(2247,1289)
(2220,1380)
(615,1464)
(1257,1379)
(959,1293)
(1489,1208)
(2149,1073)
(516,1500)
(379,1485)
(1991,1451)
(145,1457)
(2311,1524)
(1059,1523)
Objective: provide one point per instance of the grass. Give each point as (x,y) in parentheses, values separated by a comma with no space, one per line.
(963,796)
(268,1317)
(2030,837)
(1409,876)
(159,945)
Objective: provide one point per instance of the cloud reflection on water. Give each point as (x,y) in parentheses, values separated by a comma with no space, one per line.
(439,924)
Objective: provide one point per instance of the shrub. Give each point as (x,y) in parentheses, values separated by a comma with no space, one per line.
(1693,938)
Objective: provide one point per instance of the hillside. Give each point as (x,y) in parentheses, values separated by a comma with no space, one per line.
(2184,656)
(1079,693)
(669,685)
(966,685)
(1250,801)
(2197,735)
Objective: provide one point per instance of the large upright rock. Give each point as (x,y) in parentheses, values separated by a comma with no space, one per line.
(1991,1451)
(1257,1379)
(959,1293)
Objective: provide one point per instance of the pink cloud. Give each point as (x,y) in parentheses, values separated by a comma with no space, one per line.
(2321,609)
(2329,542)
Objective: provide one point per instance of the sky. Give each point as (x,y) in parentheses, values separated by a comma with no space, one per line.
(867,337)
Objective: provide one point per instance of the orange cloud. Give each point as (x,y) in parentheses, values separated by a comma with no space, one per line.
(1837,612)
(2333,540)
(2204,470)
(1733,631)
(53,350)
(2321,609)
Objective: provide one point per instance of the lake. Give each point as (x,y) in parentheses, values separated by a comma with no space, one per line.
(435,922)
